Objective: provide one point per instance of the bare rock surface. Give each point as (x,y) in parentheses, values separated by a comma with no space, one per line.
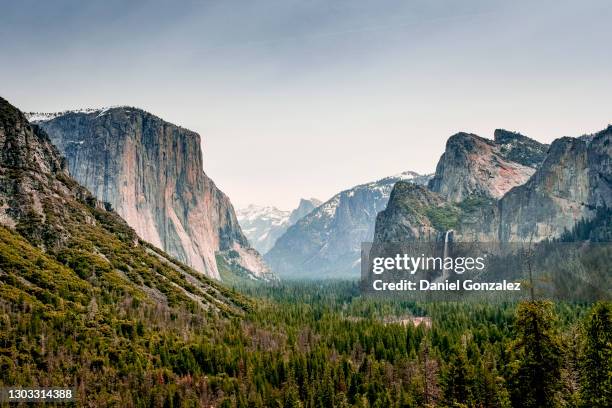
(151,172)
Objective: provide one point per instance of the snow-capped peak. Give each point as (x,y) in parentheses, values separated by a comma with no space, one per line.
(262,225)
(254,212)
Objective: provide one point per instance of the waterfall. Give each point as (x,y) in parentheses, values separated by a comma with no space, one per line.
(446,242)
(445,273)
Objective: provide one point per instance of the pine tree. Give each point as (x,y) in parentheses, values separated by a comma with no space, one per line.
(429,371)
(596,370)
(457,379)
(540,356)
(493,392)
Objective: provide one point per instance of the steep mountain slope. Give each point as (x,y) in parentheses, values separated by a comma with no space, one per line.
(85,303)
(263,225)
(327,242)
(44,213)
(520,149)
(408,215)
(572,184)
(474,166)
(150,171)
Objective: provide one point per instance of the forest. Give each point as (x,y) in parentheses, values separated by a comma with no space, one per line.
(313,344)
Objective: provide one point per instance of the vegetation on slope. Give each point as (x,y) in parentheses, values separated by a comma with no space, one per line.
(305,344)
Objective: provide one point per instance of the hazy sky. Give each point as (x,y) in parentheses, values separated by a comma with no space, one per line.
(306,98)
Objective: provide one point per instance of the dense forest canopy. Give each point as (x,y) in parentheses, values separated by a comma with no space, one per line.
(312,345)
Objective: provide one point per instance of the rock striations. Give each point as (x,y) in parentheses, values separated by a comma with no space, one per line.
(151,173)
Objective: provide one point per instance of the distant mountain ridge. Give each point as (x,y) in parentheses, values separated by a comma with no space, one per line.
(151,172)
(262,225)
(327,242)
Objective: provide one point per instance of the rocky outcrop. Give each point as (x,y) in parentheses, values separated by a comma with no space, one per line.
(474,166)
(262,225)
(150,171)
(27,161)
(327,242)
(520,149)
(407,215)
(599,157)
(571,185)
(59,245)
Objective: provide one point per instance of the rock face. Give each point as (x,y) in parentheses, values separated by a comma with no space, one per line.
(474,166)
(263,225)
(327,242)
(570,183)
(150,171)
(59,243)
(26,161)
(406,217)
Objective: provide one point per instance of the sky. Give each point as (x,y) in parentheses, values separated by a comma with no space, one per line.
(307,98)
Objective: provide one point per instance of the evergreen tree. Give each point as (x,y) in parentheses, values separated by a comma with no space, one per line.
(540,356)
(492,387)
(429,371)
(596,370)
(457,378)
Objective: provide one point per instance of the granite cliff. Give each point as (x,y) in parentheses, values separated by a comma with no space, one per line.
(506,190)
(62,248)
(475,166)
(572,183)
(151,173)
(407,216)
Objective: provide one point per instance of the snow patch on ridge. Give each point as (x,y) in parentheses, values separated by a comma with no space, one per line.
(46,116)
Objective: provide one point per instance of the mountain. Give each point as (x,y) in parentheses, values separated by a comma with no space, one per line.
(327,242)
(85,302)
(521,149)
(409,214)
(570,184)
(262,225)
(475,166)
(150,171)
(61,248)
(304,208)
